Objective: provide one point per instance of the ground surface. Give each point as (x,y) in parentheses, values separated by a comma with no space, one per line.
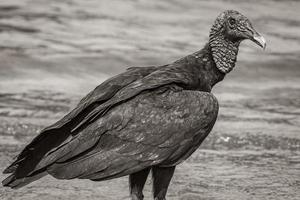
(53,52)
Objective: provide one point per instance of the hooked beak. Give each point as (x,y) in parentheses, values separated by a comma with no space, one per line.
(254,36)
(260,40)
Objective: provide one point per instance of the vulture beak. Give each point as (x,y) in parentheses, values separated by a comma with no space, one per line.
(259,40)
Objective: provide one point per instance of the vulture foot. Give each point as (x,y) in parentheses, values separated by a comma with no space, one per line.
(136,183)
(137,197)
(161,180)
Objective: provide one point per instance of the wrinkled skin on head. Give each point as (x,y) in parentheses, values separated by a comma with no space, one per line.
(238,27)
(228,31)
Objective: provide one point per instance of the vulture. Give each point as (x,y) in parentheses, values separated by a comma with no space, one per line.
(145,119)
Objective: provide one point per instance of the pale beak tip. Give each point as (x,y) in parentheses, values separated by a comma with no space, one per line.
(260,40)
(264,46)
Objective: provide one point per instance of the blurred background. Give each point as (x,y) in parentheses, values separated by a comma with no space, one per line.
(53,52)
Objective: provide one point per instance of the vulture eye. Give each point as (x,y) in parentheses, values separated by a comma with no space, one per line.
(231,22)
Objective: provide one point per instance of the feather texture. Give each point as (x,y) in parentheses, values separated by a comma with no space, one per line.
(80,135)
(81,132)
(152,129)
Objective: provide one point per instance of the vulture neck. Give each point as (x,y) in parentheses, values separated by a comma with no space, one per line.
(224,51)
(203,67)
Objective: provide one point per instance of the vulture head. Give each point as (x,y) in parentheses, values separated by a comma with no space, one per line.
(227,32)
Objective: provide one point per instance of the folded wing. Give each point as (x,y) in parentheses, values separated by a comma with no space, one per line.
(57,133)
(108,95)
(150,129)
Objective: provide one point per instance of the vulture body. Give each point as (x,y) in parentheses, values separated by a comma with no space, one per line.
(147,118)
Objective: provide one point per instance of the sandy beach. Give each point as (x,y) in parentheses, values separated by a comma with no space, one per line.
(54,52)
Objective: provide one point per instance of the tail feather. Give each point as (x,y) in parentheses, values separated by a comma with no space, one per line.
(23,170)
(15,183)
(10,169)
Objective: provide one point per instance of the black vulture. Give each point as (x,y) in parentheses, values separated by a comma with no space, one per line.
(145,119)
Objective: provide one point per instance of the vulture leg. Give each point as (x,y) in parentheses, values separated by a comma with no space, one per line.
(136,183)
(161,180)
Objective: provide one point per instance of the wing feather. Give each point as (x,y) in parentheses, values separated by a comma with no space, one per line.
(60,133)
(146,139)
(73,147)
(171,74)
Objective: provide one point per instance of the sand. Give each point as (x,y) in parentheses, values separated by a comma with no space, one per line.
(54,52)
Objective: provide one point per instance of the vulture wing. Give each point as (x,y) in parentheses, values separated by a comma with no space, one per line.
(61,139)
(58,132)
(151,129)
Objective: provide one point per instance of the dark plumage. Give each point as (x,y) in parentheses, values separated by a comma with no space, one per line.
(150,118)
